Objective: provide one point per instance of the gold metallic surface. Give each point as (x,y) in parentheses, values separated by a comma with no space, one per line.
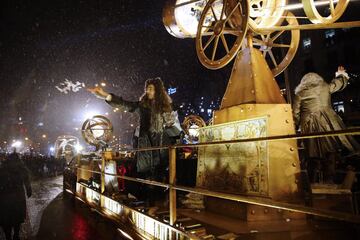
(267,42)
(265,13)
(172,181)
(251,81)
(238,167)
(231,20)
(312,26)
(336,11)
(281,155)
(279,175)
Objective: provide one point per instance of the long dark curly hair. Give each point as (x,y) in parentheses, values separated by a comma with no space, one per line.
(162,102)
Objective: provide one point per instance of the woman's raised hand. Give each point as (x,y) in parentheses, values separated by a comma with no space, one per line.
(98,92)
(342,71)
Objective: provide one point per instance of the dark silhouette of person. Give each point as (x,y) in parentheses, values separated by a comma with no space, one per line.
(313,113)
(13,177)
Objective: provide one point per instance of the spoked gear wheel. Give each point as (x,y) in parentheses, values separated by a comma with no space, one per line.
(222,19)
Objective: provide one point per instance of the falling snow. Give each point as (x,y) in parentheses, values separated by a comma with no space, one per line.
(68,86)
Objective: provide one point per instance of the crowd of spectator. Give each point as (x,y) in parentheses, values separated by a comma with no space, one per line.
(40,165)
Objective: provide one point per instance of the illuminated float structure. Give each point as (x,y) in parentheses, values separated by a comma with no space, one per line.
(93,179)
(260,176)
(250,32)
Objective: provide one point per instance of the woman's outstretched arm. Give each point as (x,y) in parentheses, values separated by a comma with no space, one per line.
(123,105)
(113,100)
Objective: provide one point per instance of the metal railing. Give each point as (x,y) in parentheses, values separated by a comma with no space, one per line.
(173,187)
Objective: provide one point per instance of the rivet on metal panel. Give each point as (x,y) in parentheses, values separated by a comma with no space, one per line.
(252,212)
(294,164)
(292,149)
(287,121)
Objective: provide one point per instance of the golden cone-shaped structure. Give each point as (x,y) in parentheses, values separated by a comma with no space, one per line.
(251,81)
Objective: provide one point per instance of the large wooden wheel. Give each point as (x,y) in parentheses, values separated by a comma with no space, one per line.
(225,21)
(336,11)
(265,13)
(285,43)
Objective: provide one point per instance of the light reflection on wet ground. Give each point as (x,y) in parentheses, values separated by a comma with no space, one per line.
(43,192)
(51,216)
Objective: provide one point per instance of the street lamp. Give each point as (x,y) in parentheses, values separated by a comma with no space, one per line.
(16,144)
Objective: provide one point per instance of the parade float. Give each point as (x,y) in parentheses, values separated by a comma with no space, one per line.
(248,177)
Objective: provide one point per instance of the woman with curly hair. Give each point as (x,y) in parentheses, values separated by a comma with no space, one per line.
(156,114)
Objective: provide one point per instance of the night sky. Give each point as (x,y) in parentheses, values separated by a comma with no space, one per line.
(120,42)
(124,42)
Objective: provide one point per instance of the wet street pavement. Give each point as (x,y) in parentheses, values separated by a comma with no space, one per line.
(51,216)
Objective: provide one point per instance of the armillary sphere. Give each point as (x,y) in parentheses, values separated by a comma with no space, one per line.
(337,8)
(191,125)
(97,130)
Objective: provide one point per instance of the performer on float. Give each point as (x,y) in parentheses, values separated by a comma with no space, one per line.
(313,113)
(157,124)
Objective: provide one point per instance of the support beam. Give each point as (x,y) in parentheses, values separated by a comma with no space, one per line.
(172,181)
(311,26)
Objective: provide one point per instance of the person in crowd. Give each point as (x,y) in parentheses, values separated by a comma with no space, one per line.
(313,112)
(13,177)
